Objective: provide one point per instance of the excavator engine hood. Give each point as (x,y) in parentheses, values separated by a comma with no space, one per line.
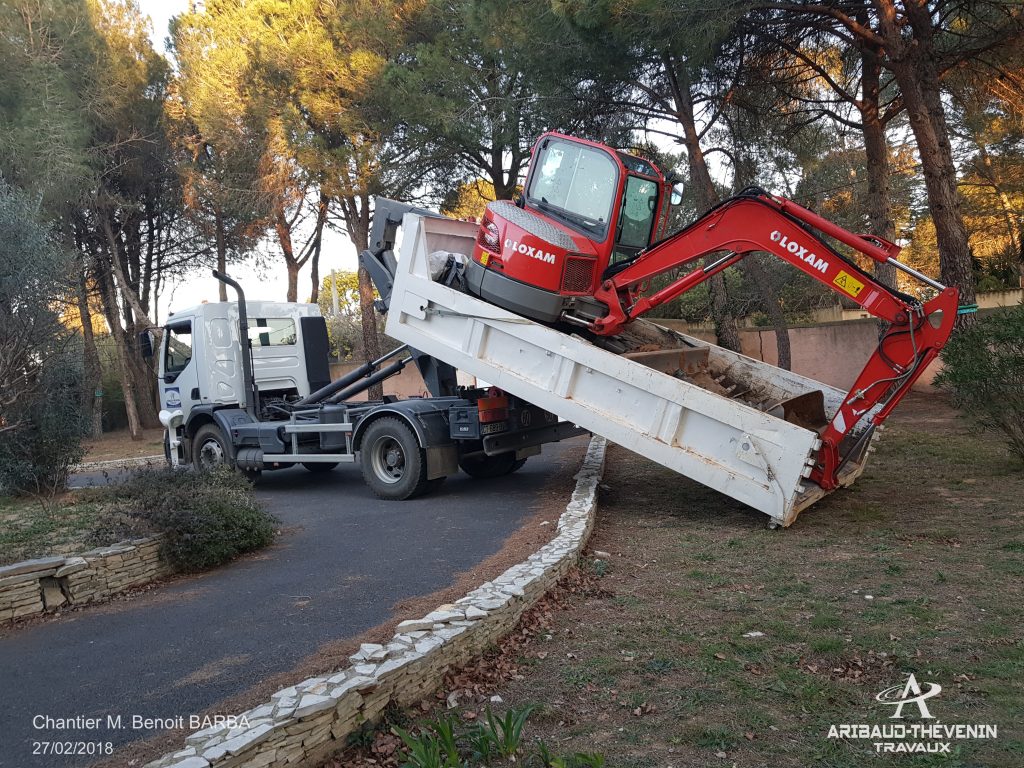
(528,264)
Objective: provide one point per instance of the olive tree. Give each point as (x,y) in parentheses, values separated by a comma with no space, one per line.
(42,419)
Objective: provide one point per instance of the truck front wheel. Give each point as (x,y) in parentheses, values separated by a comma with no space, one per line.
(393,463)
(209,448)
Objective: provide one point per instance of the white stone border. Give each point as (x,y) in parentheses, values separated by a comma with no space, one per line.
(308,721)
(45,584)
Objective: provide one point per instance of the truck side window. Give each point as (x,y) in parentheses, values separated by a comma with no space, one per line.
(272,332)
(179,347)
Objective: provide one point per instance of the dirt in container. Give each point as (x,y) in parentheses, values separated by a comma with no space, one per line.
(670,353)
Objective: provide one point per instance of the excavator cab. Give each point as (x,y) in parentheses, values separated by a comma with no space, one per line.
(585,207)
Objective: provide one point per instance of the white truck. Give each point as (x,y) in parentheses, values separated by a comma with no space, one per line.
(247,384)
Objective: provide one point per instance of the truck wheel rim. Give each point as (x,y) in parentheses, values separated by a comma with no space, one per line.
(211,454)
(388,460)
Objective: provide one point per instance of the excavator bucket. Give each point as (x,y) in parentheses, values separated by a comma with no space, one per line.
(743,427)
(806,410)
(691,364)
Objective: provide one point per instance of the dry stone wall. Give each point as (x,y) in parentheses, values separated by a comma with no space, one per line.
(307,721)
(49,583)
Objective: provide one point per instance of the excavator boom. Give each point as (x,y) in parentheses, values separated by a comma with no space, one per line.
(756,221)
(752,221)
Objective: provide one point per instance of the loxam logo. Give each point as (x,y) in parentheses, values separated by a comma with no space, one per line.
(900,695)
(799,251)
(546,256)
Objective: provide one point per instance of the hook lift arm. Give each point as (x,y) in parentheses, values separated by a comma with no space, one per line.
(757,221)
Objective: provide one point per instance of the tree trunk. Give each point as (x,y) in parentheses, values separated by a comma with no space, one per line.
(139,376)
(314,276)
(222,255)
(284,237)
(143,380)
(117,337)
(704,188)
(956,267)
(92,396)
(876,151)
(318,240)
(357,221)
(293,281)
(914,65)
(127,386)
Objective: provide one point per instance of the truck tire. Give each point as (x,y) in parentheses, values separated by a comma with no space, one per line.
(319,467)
(393,463)
(485,467)
(210,448)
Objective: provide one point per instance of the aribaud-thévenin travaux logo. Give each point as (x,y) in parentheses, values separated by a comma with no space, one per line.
(912,728)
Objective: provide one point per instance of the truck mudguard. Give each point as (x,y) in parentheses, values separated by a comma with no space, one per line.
(425,417)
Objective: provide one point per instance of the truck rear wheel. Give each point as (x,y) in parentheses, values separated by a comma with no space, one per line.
(209,448)
(393,463)
(485,467)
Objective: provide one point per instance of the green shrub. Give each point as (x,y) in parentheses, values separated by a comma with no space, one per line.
(984,372)
(206,518)
(41,415)
(37,454)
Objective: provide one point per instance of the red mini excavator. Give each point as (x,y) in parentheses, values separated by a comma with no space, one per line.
(586,240)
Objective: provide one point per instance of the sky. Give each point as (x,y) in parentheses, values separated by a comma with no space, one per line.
(267,283)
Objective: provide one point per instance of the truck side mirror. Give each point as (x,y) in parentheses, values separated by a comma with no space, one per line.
(146,344)
(677,193)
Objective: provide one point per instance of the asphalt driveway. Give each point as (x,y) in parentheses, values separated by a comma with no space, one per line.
(344,559)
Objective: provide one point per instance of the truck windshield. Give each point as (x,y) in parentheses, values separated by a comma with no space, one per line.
(574,182)
(179,347)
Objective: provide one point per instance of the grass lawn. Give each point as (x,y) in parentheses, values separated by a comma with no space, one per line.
(37,527)
(40,527)
(119,445)
(917,568)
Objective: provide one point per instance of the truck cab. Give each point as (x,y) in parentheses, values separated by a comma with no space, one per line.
(201,365)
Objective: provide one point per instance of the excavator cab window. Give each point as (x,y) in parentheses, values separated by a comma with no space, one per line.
(636,217)
(575,183)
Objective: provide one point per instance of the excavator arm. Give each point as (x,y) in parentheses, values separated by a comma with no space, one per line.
(756,221)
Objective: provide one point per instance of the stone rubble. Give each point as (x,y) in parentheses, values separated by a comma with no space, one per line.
(305,722)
